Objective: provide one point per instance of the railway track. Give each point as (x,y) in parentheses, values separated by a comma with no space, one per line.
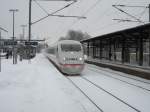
(100,88)
(78,87)
(111,94)
(105,74)
(85,95)
(123,76)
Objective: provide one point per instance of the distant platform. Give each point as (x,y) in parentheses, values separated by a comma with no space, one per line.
(129,69)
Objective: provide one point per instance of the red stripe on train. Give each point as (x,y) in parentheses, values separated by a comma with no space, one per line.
(71,65)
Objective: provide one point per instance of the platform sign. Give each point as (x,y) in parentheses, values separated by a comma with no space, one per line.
(31,43)
(7,43)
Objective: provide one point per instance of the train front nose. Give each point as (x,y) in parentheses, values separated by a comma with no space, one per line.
(72,62)
(73,68)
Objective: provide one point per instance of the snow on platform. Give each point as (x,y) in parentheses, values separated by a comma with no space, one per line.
(37,86)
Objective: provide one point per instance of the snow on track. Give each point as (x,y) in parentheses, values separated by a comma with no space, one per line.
(104,100)
(121,75)
(136,83)
(134,96)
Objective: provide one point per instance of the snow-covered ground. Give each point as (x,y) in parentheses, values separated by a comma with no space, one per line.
(37,86)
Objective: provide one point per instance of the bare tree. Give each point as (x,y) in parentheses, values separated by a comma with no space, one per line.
(75,35)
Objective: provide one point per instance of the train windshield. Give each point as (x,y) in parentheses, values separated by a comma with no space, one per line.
(70,47)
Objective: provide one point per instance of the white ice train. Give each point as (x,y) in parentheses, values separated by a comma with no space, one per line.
(68,56)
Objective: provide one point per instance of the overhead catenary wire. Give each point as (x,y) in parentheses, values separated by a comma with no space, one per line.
(76,21)
(129,20)
(128,14)
(112,24)
(105,13)
(79,17)
(132,6)
(60,29)
(93,6)
(119,21)
(41,7)
(3,29)
(86,12)
(66,6)
(140,15)
(125,20)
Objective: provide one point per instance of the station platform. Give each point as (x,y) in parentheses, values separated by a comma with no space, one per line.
(143,72)
(37,86)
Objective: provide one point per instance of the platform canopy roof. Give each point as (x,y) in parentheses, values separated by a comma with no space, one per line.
(142,30)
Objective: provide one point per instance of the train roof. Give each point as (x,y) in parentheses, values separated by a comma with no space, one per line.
(64,42)
(68,42)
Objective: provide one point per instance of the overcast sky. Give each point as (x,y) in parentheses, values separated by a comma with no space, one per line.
(99,15)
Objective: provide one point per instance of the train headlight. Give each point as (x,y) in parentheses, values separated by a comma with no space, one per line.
(80,59)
